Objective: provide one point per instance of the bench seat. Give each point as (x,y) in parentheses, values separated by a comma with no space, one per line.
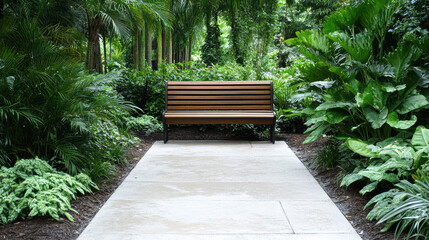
(219,102)
(219,117)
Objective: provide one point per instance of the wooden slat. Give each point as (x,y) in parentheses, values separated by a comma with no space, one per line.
(218,92)
(172,112)
(222,113)
(234,120)
(219,83)
(221,116)
(220,87)
(231,107)
(230,102)
(186,97)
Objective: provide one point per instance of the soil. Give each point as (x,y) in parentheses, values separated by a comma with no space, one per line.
(349,201)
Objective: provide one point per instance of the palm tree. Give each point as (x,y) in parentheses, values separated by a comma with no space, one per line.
(189,18)
(112,14)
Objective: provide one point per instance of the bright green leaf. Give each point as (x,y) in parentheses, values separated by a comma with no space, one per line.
(359,147)
(412,103)
(393,121)
(377,119)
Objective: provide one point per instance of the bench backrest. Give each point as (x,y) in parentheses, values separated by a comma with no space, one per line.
(219,95)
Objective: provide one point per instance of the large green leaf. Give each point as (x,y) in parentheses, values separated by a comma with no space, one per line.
(359,147)
(393,121)
(393,164)
(334,116)
(312,39)
(420,137)
(372,96)
(353,86)
(351,178)
(377,119)
(315,118)
(388,87)
(317,132)
(369,188)
(401,58)
(412,103)
(421,157)
(330,105)
(359,48)
(375,175)
(341,19)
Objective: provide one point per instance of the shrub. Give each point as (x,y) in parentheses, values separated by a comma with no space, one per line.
(366,89)
(146,124)
(389,160)
(406,206)
(33,188)
(48,103)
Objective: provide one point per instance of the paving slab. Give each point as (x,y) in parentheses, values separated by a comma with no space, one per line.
(219,190)
(115,236)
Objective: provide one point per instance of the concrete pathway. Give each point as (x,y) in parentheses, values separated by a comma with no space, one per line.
(219,190)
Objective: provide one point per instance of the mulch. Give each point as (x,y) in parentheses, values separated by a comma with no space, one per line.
(349,201)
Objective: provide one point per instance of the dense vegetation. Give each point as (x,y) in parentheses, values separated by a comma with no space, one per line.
(79,77)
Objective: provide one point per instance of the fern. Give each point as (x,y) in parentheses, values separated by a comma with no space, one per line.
(33,188)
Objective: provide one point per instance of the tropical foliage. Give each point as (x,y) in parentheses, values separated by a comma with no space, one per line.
(366,89)
(33,188)
(406,206)
(79,77)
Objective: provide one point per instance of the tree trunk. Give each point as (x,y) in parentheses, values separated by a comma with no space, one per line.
(190,49)
(93,54)
(170,49)
(141,44)
(186,54)
(136,48)
(234,38)
(105,53)
(164,47)
(149,45)
(159,45)
(110,45)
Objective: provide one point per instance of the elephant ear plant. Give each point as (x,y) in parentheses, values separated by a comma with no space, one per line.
(389,160)
(367,89)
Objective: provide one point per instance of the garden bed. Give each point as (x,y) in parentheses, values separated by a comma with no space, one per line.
(349,201)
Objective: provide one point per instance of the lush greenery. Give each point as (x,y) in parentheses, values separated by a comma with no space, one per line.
(78,79)
(33,188)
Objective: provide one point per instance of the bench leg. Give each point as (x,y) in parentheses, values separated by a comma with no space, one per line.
(272,133)
(165,133)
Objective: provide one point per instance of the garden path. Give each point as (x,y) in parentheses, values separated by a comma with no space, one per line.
(219,190)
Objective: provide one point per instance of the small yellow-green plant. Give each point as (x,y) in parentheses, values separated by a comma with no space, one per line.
(33,188)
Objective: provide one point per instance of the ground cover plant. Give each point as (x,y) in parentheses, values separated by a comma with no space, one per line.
(33,188)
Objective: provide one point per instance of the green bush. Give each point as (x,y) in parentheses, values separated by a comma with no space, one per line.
(366,90)
(390,160)
(33,188)
(49,104)
(146,124)
(406,206)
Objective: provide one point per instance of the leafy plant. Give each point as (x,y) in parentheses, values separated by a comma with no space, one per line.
(146,124)
(389,160)
(368,91)
(406,206)
(33,188)
(48,102)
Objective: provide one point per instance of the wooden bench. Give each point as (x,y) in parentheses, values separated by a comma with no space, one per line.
(219,102)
